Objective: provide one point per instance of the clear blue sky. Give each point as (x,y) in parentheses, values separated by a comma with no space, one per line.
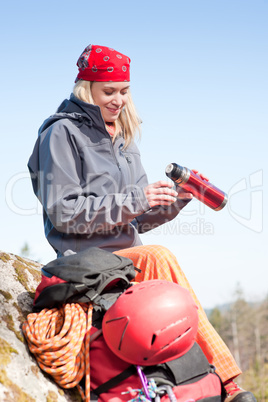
(199,81)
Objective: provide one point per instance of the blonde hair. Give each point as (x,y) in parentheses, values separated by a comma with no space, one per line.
(128,122)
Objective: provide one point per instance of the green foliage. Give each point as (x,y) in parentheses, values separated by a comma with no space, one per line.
(244,328)
(216,319)
(25,250)
(255,379)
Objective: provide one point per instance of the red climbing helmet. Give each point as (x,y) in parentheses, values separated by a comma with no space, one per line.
(151,322)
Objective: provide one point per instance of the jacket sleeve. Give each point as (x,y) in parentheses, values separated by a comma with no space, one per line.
(156,216)
(159,215)
(56,172)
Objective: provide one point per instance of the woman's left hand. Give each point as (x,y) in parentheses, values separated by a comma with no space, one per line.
(183,195)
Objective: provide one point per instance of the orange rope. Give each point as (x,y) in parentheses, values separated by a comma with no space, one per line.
(60,340)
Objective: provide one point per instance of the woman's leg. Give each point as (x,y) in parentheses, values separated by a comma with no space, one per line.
(157,262)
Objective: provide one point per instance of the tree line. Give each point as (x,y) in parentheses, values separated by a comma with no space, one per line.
(244,328)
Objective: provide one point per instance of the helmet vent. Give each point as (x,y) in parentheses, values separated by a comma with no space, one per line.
(177,338)
(128,292)
(153,339)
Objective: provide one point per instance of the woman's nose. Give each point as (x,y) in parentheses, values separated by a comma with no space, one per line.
(117,100)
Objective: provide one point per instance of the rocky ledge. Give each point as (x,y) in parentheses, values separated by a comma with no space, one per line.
(21,380)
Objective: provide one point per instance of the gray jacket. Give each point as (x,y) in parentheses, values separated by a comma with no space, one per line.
(91,189)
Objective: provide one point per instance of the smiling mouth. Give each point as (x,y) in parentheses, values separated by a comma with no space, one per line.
(113,110)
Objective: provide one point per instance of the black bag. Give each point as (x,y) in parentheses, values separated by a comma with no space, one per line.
(87,275)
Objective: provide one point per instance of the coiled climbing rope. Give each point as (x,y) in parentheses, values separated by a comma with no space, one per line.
(59,338)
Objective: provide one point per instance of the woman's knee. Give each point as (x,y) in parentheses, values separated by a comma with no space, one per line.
(155,252)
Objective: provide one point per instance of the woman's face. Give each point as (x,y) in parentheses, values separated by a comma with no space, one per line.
(111,97)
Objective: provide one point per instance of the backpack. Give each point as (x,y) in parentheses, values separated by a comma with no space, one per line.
(187,378)
(92,275)
(98,276)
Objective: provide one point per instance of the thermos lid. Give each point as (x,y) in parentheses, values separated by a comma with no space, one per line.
(177,173)
(169,169)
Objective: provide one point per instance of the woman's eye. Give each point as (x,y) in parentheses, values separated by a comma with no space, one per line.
(108,93)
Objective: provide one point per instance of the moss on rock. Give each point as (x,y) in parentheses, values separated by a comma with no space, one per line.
(52,396)
(22,314)
(15,393)
(4,257)
(21,271)
(6,295)
(35,273)
(8,319)
(5,352)
(21,274)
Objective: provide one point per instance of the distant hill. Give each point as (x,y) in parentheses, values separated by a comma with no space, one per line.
(223,308)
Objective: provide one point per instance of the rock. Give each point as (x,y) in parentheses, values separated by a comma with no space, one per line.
(21,379)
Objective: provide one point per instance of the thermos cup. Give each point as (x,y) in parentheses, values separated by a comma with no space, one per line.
(201,189)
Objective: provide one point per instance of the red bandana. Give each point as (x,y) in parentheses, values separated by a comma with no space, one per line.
(101,63)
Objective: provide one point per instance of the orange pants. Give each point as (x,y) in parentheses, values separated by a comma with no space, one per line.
(157,262)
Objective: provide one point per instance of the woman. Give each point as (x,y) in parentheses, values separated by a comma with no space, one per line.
(86,172)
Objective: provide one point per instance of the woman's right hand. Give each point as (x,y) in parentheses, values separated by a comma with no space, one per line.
(162,193)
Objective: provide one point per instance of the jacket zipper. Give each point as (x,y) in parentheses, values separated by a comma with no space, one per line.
(116,161)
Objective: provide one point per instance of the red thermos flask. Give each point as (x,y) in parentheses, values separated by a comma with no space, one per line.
(201,189)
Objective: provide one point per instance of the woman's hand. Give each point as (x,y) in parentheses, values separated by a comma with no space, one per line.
(162,193)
